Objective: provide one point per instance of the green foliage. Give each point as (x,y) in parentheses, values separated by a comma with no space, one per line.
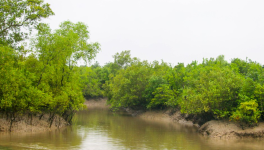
(215,90)
(162,95)
(135,83)
(241,65)
(157,92)
(160,69)
(18,14)
(91,85)
(259,95)
(214,87)
(247,90)
(175,78)
(128,86)
(47,80)
(247,113)
(17,93)
(153,83)
(58,54)
(122,59)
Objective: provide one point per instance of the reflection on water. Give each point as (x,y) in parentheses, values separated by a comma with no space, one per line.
(101,129)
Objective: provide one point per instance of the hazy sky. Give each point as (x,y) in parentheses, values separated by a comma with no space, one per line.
(172,30)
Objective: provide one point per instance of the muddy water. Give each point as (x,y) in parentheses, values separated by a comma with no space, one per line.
(97,129)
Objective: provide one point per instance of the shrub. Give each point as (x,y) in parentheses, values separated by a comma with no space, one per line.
(162,95)
(247,113)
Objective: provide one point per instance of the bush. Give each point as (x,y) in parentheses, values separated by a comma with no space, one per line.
(162,95)
(211,89)
(247,113)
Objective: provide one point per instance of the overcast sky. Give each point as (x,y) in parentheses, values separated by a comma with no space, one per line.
(172,30)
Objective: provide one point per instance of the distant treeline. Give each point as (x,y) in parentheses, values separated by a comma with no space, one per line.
(214,87)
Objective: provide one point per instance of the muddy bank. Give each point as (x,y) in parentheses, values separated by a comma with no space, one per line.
(230,130)
(24,124)
(97,103)
(163,115)
(213,129)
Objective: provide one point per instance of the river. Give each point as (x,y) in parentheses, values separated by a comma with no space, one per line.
(100,129)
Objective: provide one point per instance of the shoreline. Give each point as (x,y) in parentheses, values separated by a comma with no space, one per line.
(229,130)
(24,124)
(93,103)
(215,129)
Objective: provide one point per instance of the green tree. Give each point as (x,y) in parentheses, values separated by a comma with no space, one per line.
(16,15)
(247,90)
(91,85)
(241,65)
(215,91)
(46,78)
(175,78)
(153,83)
(18,95)
(128,86)
(121,61)
(58,53)
(162,95)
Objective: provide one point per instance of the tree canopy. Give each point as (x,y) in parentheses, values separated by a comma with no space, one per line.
(45,78)
(19,17)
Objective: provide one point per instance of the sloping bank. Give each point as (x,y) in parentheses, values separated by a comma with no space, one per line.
(34,124)
(41,123)
(214,129)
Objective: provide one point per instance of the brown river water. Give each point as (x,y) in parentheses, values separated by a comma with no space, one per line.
(100,129)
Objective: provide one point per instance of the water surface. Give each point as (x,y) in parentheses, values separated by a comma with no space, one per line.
(102,129)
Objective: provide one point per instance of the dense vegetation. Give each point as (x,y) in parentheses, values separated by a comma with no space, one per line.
(45,78)
(213,88)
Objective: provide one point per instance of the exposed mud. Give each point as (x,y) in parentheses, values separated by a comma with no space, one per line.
(212,129)
(165,116)
(230,130)
(26,124)
(97,103)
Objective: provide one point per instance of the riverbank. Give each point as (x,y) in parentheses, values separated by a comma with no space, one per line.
(213,129)
(26,124)
(228,130)
(97,103)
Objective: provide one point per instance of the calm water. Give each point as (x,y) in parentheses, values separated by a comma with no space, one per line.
(97,129)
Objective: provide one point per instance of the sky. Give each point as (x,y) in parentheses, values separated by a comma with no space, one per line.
(176,31)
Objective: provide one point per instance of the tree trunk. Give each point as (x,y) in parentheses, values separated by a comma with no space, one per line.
(12,119)
(40,117)
(51,119)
